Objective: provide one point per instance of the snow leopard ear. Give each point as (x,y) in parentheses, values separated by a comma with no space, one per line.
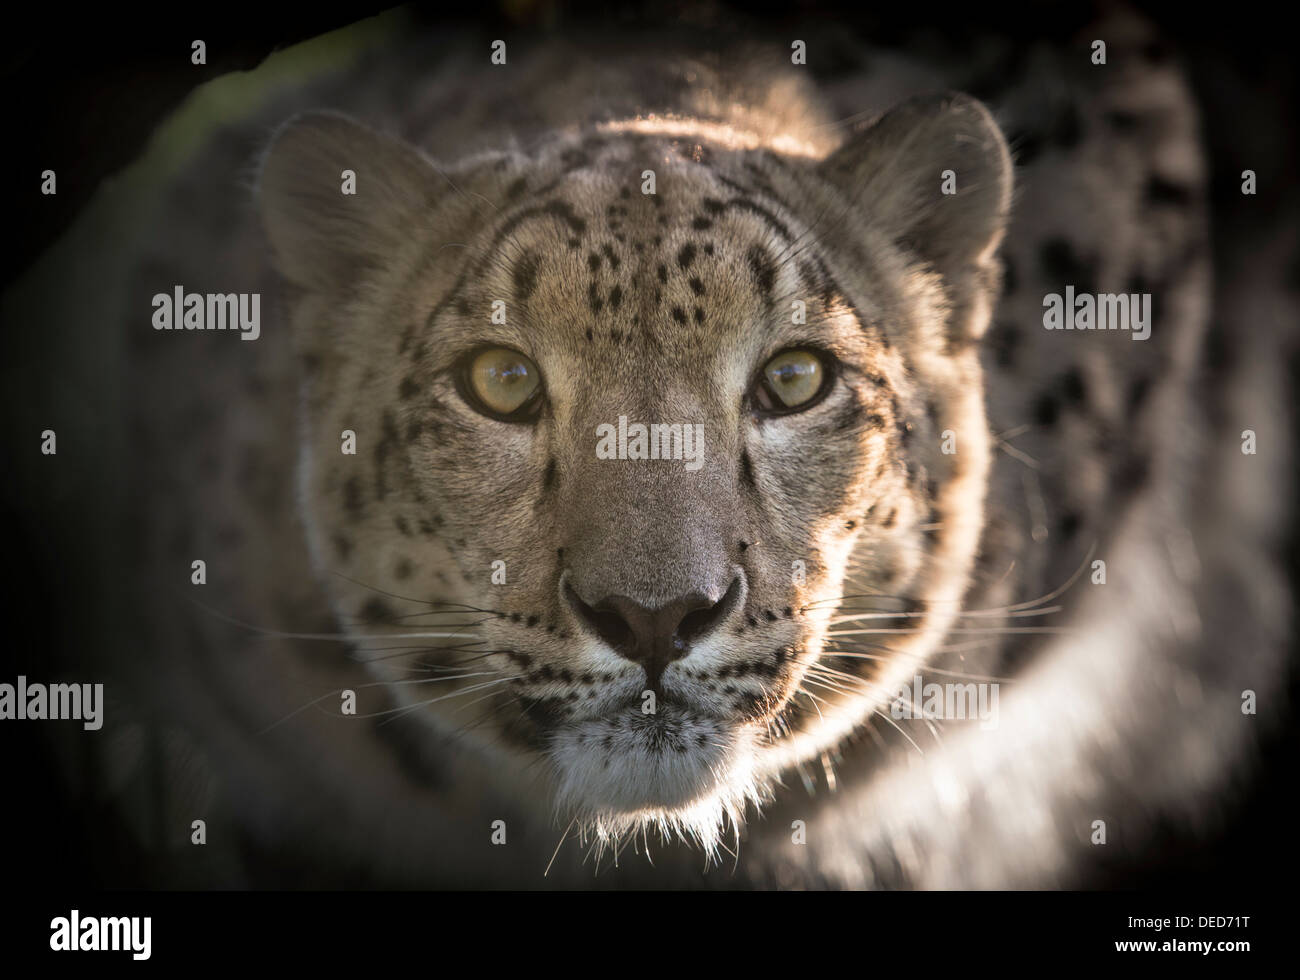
(934,174)
(337,198)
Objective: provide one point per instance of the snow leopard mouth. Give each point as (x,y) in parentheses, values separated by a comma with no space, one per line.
(628,762)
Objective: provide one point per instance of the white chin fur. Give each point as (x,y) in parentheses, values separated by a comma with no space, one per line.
(686,775)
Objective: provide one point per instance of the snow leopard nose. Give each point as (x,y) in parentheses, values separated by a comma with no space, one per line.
(654,638)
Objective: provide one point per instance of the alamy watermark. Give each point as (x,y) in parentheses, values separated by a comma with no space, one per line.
(53,702)
(655,441)
(123,933)
(947,702)
(1100,311)
(180,310)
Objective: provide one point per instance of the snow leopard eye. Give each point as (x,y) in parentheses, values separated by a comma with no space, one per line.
(792,381)
(502,384)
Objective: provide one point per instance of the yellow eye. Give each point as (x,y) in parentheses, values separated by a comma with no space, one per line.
(790,380)
(503,381)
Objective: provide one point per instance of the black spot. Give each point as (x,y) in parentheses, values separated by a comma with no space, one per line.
(413,430)
(407,334)
(1069,525)
(1137,393)
(525,276)
(747,470)
(1160,191)
(679,314)
(702,223)
(1067,128)
(1009,280)
(697,287)
(353,501)
(850,417)
(402,569)
(516,188)
(593,298)
(548,477)
(574,159)
(663,272)
(615,297)
(1073,387)
(1047,409)
(388,440)
(762,269)
(376,611)
(593,262)
(1132,474)
(685,256)
(1123,121)
(811,278)
(402,527)
(408,389)
(611,256)
(712,206)
(1062,264)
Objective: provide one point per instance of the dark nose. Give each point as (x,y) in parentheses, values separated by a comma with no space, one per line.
(654,638)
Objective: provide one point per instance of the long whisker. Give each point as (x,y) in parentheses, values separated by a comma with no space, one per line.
(337,692)
(984,631)
(974,612)
(407,709)
(330,637)
(563,836)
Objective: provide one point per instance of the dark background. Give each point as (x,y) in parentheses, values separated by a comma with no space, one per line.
(88,91)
